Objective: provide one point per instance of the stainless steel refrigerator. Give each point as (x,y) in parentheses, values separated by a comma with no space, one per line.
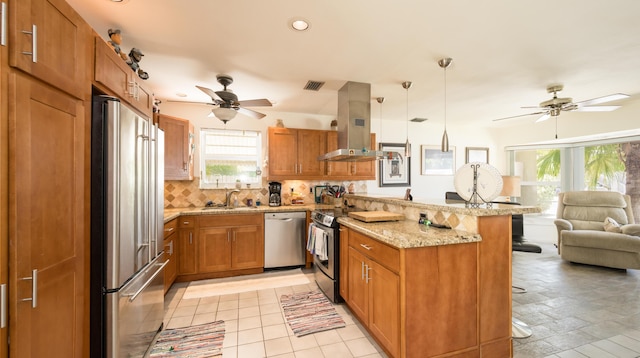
(127,259)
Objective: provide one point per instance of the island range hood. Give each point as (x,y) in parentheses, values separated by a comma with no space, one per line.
(354,127)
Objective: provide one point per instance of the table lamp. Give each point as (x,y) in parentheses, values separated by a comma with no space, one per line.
(510,187)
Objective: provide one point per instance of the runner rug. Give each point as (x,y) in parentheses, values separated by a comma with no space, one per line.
(200,341)
(310,312)
(239,284)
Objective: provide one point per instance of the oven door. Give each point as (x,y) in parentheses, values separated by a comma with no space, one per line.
(327,266)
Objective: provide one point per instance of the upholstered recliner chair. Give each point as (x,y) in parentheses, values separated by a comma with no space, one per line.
(597,228)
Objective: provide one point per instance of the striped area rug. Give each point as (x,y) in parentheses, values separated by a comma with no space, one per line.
(200,341)
(310,312)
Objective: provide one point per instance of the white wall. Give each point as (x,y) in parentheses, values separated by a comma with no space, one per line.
(521,131)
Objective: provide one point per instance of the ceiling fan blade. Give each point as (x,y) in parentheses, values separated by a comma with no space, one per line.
(191,102)
(211,93)
(251,113)
(521,115)
(255,103)
(605,99)
(543,118)
(596,109)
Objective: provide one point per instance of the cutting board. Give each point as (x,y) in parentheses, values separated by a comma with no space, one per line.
(373,216)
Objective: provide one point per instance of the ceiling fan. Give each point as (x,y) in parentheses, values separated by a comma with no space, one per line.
(227,103)
(553,107)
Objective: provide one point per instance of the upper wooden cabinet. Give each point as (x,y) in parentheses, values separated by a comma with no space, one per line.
(179,147)
(114,76)
(363,170)
(51,42)
(293,153)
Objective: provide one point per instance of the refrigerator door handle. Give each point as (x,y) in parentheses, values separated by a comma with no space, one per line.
(133,296)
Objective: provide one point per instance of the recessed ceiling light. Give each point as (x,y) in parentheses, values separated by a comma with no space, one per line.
(299,24)
(181,94)
(119,1)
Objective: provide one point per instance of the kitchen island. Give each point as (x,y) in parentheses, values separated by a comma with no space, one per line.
(428,292)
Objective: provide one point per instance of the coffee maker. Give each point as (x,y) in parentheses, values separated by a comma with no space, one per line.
(274,193)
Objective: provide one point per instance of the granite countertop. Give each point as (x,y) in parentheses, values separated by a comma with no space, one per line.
(170,214)
(452,206)
(408,234)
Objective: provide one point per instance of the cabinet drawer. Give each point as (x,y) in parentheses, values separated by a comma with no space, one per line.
(186,221)
(231,220)
(376,250)
(170,227)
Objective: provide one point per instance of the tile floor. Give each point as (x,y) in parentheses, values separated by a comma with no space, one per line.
(255,325)
(574,311)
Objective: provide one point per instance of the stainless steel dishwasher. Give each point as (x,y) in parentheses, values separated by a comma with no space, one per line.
(284,238)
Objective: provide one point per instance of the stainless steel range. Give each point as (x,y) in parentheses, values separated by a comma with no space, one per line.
(326,264)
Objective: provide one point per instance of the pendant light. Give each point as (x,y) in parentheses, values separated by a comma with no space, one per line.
(407,146)
(444,63)
(380,100)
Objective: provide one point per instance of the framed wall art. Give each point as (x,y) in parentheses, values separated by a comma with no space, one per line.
(396,171)
(436,162)
(476,154)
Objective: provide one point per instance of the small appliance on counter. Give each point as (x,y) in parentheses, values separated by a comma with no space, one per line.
(275,196)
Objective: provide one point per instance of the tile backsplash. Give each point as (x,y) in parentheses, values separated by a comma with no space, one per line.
(186,194)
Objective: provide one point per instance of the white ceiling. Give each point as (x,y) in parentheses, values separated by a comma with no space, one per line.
(504,52)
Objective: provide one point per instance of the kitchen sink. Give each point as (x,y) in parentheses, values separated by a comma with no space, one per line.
(215,208)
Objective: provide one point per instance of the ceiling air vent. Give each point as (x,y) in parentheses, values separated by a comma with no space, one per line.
(313,85)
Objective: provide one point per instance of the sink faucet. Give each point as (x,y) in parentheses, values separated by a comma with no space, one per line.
(229,193)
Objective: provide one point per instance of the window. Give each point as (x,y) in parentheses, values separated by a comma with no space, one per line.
(229,156)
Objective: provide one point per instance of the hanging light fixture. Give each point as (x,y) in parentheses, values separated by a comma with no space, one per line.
(407,146)
(380,100)
(444,63)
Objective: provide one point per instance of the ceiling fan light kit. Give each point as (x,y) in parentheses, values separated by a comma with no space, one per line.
(444,63)
(224,114)
(227,103)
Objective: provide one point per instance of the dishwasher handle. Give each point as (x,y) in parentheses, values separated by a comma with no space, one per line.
(283,219)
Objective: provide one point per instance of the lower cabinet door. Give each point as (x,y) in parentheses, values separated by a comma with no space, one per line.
(214,252)
(358,301)
(186,252)
(384,306)
(247,247)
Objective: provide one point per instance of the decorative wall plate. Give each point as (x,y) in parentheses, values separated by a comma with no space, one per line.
(489,182)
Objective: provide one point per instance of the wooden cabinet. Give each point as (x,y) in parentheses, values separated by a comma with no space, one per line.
(293,153)
(51,42)
(220,245)
(179,147)
(374,290)
(115,77)
(48,134)
(230,242)
(171,268)
(44,135)
(186,245)
(362,170)
(432,304)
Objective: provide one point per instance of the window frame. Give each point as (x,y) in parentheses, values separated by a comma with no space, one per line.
(206,183)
